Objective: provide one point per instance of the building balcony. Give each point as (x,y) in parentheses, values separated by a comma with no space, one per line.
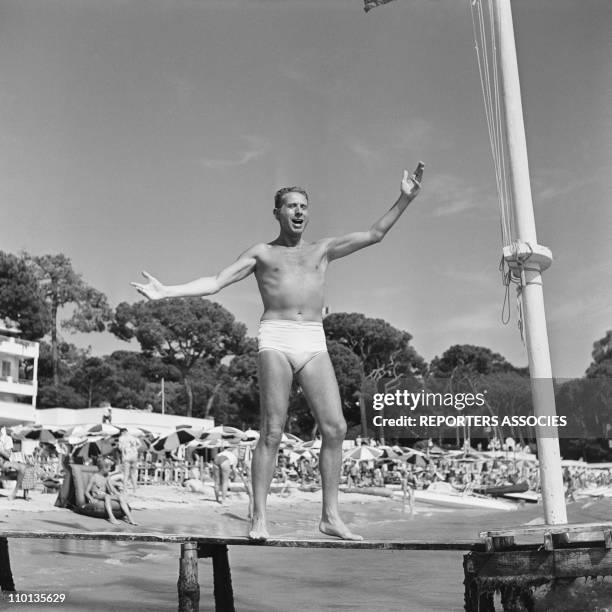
(14,414)
(17,386)
(23,349)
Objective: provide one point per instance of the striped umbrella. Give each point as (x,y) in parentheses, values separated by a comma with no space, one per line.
(101,429)
(44,434)
(173,440)
(362,453)
(312,444)
(222,431)
(95,446)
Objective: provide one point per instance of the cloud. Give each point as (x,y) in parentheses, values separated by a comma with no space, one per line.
(454,195)
(551,186)
(255,148)
(581,308)
(364,151)
(413,135)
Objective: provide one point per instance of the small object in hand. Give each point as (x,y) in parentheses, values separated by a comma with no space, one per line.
(418,173)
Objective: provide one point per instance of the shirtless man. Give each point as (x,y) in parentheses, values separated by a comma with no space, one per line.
(102,488)
(290,274)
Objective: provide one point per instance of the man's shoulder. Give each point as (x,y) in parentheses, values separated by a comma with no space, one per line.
(256,249)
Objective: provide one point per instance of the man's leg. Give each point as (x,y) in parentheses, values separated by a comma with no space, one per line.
(133,475)
(125,470)
(217,481)
(109,509)
(275,378)
(224,475)
(318,382)
(126,509)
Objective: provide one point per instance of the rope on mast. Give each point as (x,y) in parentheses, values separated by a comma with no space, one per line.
(485,41)
(487,57)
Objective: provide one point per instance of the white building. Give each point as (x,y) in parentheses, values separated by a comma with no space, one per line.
(18,376)
(65,418)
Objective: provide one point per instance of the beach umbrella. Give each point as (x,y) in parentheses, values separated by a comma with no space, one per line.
(18,431)
(100,429)
(362,453)
(95,446)
(44,434)
(250,435)
(291,440)
(390,453)
(173,440)
(414,457)
(137,432)
(224,431)
(312,444)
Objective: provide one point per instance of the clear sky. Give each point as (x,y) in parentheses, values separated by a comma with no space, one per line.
(152,134)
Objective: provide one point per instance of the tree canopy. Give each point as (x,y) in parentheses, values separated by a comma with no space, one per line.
(20,297)
(181,332)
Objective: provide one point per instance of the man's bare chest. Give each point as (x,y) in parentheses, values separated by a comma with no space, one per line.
(279,260)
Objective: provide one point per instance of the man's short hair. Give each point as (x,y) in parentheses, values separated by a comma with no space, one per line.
(283,191)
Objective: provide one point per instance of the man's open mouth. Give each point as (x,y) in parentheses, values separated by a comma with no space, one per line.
(298,222)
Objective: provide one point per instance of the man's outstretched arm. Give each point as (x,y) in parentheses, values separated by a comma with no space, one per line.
(349,243)
(207,285)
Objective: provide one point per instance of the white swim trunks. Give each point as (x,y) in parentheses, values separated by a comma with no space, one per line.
(299,341)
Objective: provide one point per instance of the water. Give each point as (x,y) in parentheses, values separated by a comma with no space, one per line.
(134,577)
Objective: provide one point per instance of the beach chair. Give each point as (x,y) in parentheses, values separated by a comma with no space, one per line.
(72,493)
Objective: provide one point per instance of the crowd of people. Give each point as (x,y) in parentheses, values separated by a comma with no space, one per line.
(130,463)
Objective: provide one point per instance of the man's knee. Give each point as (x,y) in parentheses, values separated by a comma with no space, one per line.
(272,437)
(334,431)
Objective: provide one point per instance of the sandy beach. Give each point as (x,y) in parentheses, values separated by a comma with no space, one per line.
(104,576)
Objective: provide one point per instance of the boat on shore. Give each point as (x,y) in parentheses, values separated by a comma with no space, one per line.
(445,495)
(501,490)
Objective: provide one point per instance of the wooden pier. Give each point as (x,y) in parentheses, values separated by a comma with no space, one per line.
(516,561)
(511,562)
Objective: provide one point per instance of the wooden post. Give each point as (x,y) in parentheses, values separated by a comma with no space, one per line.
(6,576)
(224,594)
(222,577)
(188,587)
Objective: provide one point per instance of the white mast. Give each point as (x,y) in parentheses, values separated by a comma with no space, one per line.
(528,259)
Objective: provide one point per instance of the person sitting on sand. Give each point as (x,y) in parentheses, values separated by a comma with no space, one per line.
(101,488)
(290,274)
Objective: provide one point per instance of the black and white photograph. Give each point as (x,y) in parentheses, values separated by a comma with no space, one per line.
(305,305)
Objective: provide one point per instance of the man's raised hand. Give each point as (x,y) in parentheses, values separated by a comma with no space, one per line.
(153,290)
(411,184)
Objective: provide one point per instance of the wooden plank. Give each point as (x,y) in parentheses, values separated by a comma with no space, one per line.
(589,561)
(537,529)
(180,538)
(538,564)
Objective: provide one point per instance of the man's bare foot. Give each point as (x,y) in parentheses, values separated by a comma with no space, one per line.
(338,529)
(132,522)
(259,530)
